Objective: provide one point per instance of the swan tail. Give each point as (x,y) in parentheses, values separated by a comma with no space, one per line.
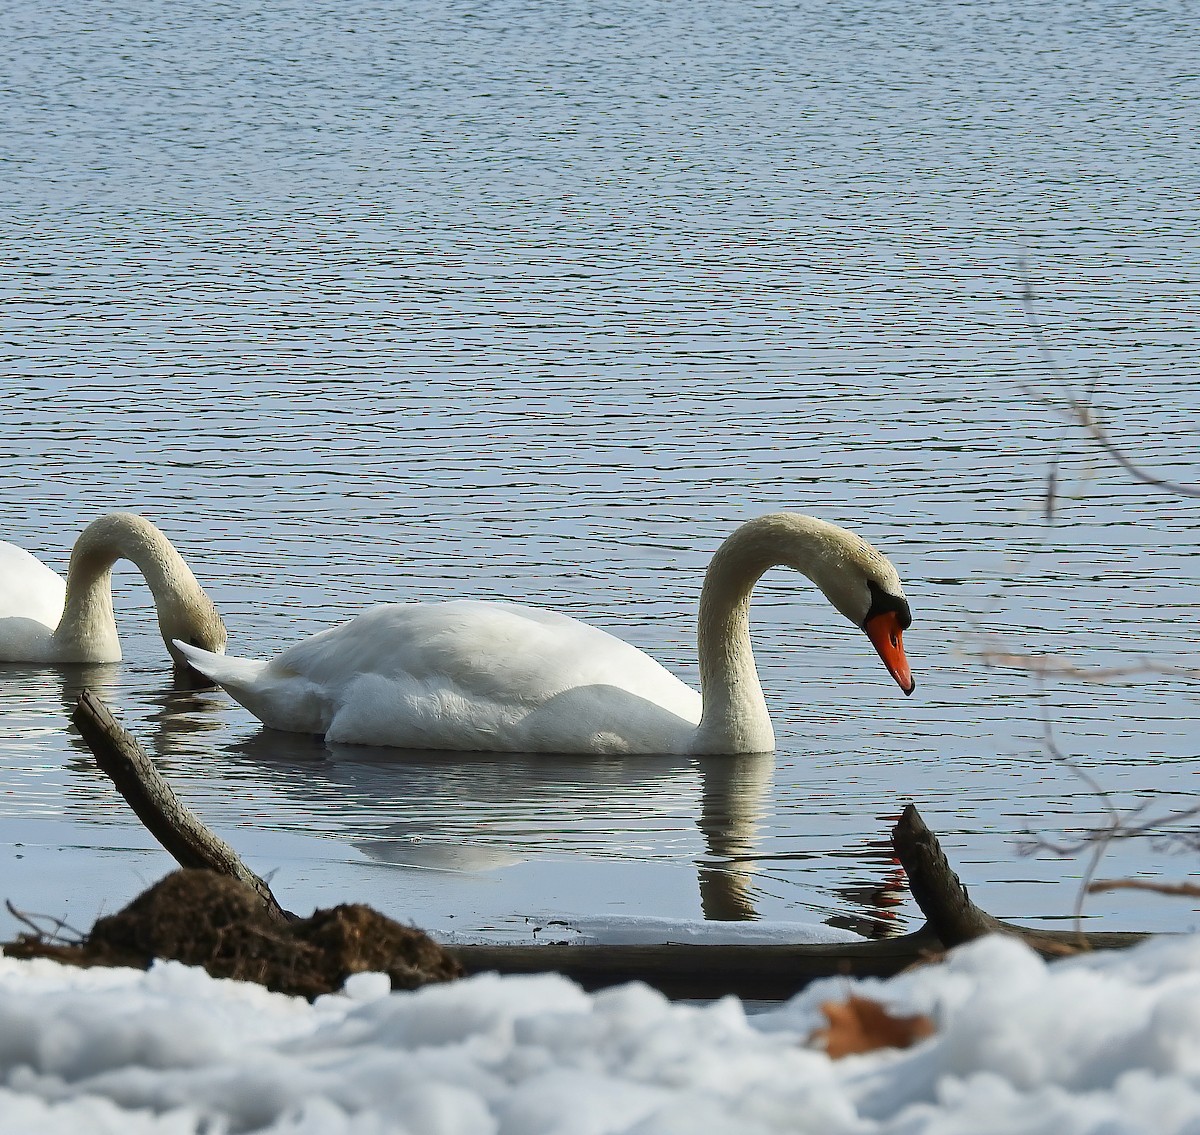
(230,673)
(280,698)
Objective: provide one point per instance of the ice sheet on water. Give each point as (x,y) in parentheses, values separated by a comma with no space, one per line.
(636,929)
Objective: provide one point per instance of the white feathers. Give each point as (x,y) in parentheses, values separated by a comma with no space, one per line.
(498,677)
(465,675)
(31,604)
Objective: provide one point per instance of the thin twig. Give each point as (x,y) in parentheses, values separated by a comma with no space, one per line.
(1103,838)
(60,925)
(1090,421)
(1047,664)
(1051,501)
(1190,890)
(1097,840)
(1083,412)
(1128,830)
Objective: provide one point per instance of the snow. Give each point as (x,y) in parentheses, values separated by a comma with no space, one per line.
(1102,1044)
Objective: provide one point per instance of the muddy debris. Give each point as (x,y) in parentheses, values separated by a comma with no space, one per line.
(205,919)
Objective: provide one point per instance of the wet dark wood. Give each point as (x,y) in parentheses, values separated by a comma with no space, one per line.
(951,915)
(147,792)
(936,889)
(703,972)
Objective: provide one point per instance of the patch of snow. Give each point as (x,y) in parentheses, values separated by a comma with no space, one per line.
(1101,1043)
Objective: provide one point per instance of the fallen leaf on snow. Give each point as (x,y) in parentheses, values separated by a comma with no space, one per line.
(863,1025)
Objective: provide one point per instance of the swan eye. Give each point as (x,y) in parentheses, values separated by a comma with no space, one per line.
(882,601)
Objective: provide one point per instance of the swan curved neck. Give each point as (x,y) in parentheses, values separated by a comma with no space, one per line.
(734,715)
(87,630)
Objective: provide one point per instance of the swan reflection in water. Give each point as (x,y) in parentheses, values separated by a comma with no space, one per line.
(442,810)
(464,812)
(873,900)
(480,811)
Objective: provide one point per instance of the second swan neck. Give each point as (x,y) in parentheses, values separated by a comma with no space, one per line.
(87,630)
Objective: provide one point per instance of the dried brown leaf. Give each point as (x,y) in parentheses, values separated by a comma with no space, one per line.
(863,1025)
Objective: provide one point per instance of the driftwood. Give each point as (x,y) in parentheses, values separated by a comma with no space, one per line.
(147,792)
(951,915)
(936,889)
(216,913)
(685,970)
(703,972)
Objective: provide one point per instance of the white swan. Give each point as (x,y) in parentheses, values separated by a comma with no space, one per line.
(498,677)
(43,619)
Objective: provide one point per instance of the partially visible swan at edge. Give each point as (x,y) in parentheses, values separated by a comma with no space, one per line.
(498,677)
(43,619)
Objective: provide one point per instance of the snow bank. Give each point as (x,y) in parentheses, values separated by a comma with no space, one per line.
(1107,1043)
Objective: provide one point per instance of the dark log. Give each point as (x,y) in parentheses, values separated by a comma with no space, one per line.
(165,816)
(936,889)
(704,972)
(951,915)
(771,973)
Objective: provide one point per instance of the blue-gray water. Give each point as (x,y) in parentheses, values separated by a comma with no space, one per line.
(538,300)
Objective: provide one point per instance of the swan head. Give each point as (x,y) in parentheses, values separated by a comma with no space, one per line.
(885,624)
(194,621)
(856,578)
(862,583)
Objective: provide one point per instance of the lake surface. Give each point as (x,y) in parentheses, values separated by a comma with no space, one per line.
(368,302)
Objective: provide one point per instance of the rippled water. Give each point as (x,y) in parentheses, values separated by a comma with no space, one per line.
(538,301)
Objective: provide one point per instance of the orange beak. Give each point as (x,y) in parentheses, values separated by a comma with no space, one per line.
(887,638)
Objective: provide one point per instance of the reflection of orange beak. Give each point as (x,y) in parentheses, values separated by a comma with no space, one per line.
(884,632)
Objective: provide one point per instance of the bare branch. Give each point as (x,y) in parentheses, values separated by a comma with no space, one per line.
(1190,890)
(1051,501)
(1126,830)
(1081,409)
(1101,839)
(1118,825)
(146,791)
(31,920)
(1089,420)
(1047,665)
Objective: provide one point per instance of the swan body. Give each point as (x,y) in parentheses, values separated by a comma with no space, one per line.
(466,675)
(44,619)
(499,677)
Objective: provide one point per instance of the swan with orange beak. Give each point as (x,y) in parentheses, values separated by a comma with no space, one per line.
(469,675)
